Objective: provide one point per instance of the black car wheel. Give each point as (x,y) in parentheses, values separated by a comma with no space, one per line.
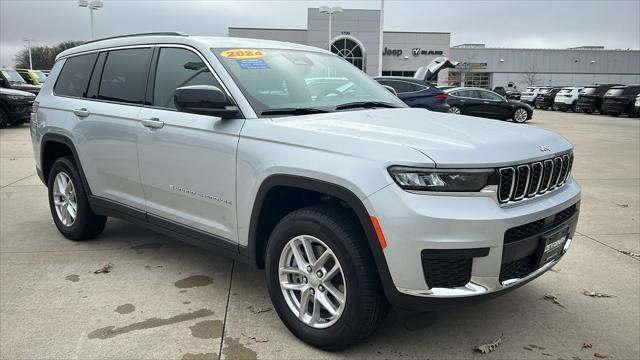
(322,279)
(455,110)
(69,204)
(520,115)
(554,107)
(576,108)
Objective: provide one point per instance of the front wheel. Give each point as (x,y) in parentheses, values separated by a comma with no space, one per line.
(554,107)
(520,115)
(576,108)
(68,202)
(322,279)
(455,110)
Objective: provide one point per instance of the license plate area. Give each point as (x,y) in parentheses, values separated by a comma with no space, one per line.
(552,245)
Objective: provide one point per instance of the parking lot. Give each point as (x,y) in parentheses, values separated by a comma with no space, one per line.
(165,299)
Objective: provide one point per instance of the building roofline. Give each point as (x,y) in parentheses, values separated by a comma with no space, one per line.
(258,28)
(455,47)
(418,32)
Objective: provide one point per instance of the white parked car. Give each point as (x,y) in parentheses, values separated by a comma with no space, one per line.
(529,95)
(347,198)
(567,98)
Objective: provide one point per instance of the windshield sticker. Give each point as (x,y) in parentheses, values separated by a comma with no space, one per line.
(243,54)
(252,64)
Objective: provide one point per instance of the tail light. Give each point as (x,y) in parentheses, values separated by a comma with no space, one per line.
(34,107)
(442,96)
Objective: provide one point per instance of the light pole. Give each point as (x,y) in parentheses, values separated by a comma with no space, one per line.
(92,5)
(330,10)
(29,47)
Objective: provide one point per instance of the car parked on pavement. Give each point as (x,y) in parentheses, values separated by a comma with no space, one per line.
(416,93)
(15,107)
(529,95)
(485,103)
(567,98)
(349,201)
(590,99)
(10,79)
(546,97)
(621,100)
(509,92)
(32,77)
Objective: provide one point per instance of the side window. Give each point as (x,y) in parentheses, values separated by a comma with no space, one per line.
(177,68)
(489,96)
(401,86)
(124,77)
(74,76)
(26,77)
(468,94)
(631,90)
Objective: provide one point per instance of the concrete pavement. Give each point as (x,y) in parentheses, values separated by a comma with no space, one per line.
(167,300)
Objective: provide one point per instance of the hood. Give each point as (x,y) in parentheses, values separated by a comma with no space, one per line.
(30,88)
(430,72)
(15,92)
(448,140)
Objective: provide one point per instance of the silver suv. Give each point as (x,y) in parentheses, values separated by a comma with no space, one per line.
(349,200)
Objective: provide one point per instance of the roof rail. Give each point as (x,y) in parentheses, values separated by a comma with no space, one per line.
(160,33)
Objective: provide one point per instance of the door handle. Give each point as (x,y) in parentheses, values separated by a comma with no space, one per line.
(82,113)
(153,123)
(486,102)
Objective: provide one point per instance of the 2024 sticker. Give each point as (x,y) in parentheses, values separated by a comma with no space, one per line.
(243,54)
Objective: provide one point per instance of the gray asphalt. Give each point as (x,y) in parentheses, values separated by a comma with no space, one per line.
(167,300)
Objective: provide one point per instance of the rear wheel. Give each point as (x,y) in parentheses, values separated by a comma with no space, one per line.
(4,119)
(576,108)
(322,279)
(69,204)
(520,115)
(554,107)
(455,110)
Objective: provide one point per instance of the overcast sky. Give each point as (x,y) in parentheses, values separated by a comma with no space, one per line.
(507,23)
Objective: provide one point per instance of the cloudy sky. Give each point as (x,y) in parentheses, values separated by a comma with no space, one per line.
(506,23)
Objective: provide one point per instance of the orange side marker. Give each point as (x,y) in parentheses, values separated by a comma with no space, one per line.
(376,226)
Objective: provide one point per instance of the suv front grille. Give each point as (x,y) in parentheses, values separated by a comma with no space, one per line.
(539,226)
(528,180)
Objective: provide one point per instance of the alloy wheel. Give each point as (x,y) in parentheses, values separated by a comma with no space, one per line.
(454,110)
(64,199)
(520,115)
(312,281)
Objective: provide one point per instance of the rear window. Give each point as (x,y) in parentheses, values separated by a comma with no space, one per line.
(544,91)
(74,76)
(631,90)
(124,77)
(587,91)
(564,91)
(613,92)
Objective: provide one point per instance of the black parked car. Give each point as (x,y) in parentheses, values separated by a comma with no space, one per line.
(10,79)
(416,93)
(486,103)
(15,106)
(621,100)
(508,92)
(545,97)
(590,99)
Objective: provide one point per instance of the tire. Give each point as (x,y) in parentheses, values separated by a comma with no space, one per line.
(564,109)
(364,305)
(588,112)
(576,108)
(520,115)
(544,107)
(603,112)
(453,109)
(85,224)
(4,119)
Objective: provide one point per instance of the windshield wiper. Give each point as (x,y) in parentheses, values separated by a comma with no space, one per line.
(366,105)
(294,111)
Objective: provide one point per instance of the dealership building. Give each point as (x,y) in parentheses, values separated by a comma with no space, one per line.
(355,35)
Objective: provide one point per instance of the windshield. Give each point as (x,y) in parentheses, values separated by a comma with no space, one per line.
(587,91)
(276,79)
(13,77)
(40,75)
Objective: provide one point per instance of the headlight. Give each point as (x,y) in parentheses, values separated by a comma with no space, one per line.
(18,97)
(458,180)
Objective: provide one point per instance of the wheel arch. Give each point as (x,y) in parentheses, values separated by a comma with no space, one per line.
(258,237)
(54,146)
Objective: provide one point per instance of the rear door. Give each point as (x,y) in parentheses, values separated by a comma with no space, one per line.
(109,127)
(493,105)
(187,161)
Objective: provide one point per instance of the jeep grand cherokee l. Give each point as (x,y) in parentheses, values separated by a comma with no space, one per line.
(590,99)
(620,100)
(349,199)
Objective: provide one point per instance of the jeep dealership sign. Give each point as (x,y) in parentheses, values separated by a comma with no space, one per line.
(414,51)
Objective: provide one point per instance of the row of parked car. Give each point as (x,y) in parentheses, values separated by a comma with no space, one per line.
(612,99)
(18,90)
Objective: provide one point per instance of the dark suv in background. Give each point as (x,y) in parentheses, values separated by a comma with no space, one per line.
(545,98)
(591,97)
(620,100)
(15,107)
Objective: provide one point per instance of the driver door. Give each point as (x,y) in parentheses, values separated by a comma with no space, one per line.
(493,105)
(187,161)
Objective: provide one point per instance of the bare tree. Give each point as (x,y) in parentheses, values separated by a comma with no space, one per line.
(43,56)
(531,76)
(464,68)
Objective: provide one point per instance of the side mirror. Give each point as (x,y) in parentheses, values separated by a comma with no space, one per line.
(204,100)
(391,90)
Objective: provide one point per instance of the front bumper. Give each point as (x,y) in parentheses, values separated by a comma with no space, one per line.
(413,224)
(562,105)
